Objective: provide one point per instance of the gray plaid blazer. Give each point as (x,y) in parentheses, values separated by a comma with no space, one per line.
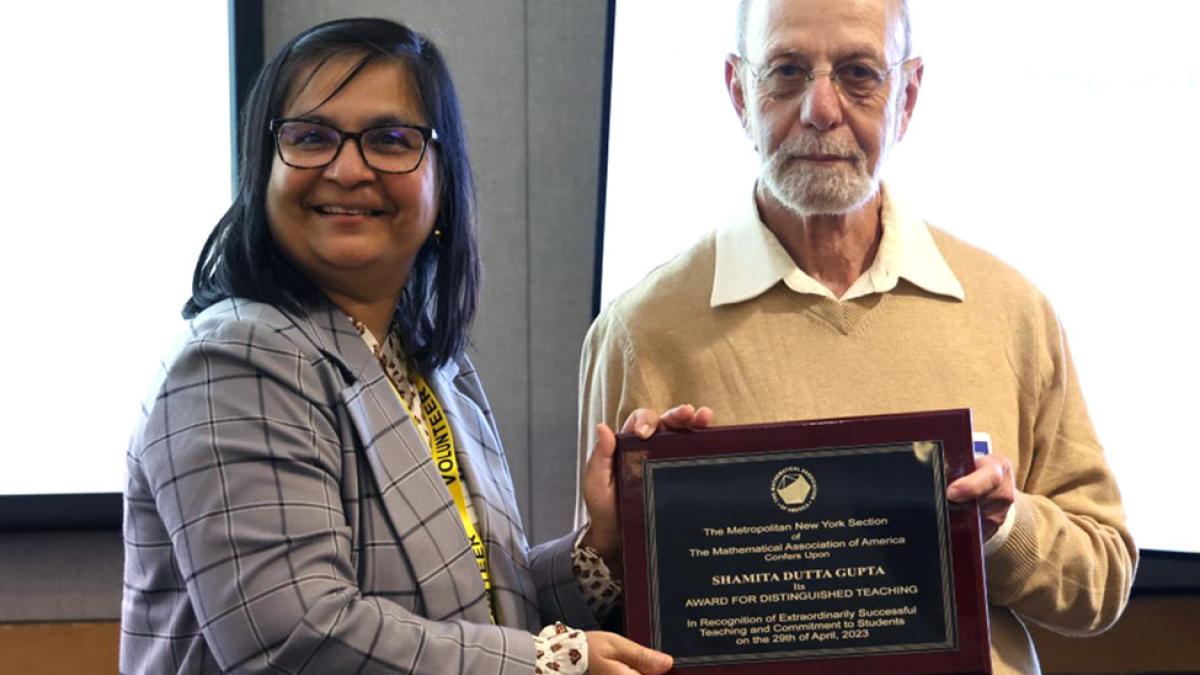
(283,515)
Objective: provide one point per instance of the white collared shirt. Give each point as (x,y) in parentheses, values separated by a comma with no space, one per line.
(750,260)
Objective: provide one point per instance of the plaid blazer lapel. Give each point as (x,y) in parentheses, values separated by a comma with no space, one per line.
(411,490)
(486,472)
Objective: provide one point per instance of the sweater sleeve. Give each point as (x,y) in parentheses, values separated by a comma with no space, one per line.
(610,387)
(1069,561)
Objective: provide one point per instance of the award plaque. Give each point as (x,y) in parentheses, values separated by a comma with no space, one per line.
(825,546)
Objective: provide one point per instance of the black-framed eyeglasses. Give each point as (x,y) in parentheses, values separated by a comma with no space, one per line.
(392,148)
(784,78)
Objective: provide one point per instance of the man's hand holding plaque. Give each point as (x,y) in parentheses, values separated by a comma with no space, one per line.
(607,652)
(599,480)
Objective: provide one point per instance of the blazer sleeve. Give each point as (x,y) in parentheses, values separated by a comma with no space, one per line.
(242,453)
(559,595)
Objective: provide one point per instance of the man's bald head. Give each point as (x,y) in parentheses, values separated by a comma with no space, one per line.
(744,12)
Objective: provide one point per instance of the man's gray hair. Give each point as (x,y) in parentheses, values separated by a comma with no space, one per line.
(744,11)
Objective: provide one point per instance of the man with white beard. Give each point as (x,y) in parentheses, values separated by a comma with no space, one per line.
(827,299)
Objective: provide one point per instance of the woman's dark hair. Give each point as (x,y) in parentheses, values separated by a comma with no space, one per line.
(241,259)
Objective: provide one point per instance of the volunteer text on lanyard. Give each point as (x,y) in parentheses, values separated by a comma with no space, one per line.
(445,457)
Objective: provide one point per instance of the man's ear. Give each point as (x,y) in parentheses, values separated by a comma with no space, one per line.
(912,87)
(736,89)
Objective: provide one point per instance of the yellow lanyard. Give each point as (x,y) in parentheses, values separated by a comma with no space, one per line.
(445,456)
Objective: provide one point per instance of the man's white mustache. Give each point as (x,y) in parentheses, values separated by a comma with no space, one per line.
(807,146)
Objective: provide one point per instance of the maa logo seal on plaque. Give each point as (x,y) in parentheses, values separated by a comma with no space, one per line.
(793,489)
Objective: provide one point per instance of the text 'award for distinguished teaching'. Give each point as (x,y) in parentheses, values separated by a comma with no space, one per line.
(825,546)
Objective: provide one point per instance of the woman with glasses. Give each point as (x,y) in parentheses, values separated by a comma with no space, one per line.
(317,484)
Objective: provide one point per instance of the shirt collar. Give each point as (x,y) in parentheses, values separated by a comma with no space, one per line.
(750,260)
